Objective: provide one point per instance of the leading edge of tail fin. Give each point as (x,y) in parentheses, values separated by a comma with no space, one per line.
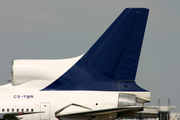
(111,63)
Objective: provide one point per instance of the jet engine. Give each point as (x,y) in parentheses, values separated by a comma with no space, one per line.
(30,70)
(126,100)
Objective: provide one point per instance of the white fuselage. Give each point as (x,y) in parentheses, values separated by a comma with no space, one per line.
(14,99)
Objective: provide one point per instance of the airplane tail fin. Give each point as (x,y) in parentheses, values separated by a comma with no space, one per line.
(111,63)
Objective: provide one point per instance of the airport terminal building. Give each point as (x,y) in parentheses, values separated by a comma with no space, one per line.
(154,113)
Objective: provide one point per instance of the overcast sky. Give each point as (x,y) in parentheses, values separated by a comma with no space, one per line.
(54,29)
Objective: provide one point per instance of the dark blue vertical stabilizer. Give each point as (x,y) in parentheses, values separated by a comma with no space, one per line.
(111,63)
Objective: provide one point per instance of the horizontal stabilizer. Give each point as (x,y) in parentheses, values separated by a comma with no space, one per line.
(93,113)
(12,115)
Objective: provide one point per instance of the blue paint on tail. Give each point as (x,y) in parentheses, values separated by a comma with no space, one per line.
(111,63)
